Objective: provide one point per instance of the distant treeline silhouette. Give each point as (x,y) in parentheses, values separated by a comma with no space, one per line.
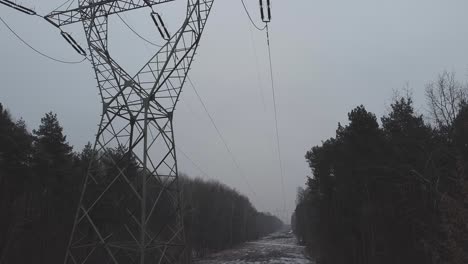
(40,184)
(218,217)
(395,192)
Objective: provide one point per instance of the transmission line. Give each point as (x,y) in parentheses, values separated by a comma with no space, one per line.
(136,33)
(68,1)
(250,18)
(193,162)
(276,117)
(266,19)
(37,51)
(259,79)
(228,149)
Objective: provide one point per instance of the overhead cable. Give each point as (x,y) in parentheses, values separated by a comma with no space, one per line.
(193,162)
(250,17)
(276,117)
(136,33)
(228,149)
(37,51)
(60,6)
(259,79)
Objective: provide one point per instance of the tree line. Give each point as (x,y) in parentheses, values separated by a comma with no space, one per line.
(218,217)
(41,178)
(394,192)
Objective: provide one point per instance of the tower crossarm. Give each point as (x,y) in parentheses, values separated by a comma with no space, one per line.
(164,75)
(100,8)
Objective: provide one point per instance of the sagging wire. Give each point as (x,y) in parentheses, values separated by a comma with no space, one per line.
(204,174)
(267,19)
(37,51)
(267,7)
(223,140)
(60,6)
(68,38)
(257,67)
(31,12)
(250,17)
(136,33)
(275,109)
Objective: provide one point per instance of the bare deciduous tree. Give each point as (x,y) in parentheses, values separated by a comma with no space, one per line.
(445,96)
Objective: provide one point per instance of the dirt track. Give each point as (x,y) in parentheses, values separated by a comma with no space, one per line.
(277,248)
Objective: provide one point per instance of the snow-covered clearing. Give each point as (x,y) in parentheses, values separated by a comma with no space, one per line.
(277,248)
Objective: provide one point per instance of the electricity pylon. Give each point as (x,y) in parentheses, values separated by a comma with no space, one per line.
(133,213)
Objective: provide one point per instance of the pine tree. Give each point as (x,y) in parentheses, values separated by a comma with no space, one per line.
(52,162)
(15,152)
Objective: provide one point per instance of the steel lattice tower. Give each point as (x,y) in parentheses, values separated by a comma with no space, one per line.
(131,213)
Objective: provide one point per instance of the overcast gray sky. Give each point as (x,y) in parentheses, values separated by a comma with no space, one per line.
(328,57)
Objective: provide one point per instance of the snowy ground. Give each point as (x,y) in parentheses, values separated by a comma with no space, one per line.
(277,248)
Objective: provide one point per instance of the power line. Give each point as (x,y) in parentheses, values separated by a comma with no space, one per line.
(193,162)
(272,88)
(210,117)
(178,149)
(136,33)
(250,17)
(276,117)
(221,137)
(259,79)
(60,6)
(68,7)
(37,51)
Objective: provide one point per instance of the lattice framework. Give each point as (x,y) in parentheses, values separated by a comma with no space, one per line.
(130,211)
